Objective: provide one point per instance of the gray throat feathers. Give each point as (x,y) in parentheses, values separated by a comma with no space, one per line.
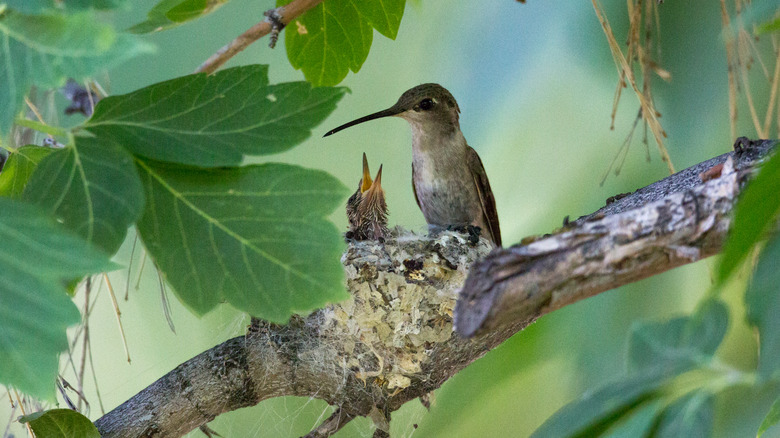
(442,179)
(438,145)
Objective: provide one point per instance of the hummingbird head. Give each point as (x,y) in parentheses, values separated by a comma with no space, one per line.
(424,106)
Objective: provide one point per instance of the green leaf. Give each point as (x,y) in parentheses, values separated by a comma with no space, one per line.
(213,121)
(762,300)
(30,6)
(772,417)
(383,15)
(636,423)
(586,416)
(335,36)
(92,187)
(652,342)
(17,170)
(60,423)
(45,50)
(36,258)
(690,416)
(769,26)
(759,16)
(168,14)
(37,6)
(684,341)
(756,212)
(254,236)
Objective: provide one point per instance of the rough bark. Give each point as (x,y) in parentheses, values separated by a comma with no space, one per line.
(394,341)
(678,220)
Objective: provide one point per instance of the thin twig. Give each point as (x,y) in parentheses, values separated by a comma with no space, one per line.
(623,150)
(731,61)
(772,96)
(90,97)
(751,106)
(11,415)
(130,268)
(83,365)
(648,109)
(118,315)
(21,408)
(332,424)
(34,109)
(95,382)
(287,13)
(140,270)
(164,297)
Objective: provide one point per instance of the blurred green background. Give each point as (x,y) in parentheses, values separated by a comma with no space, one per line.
(535,83)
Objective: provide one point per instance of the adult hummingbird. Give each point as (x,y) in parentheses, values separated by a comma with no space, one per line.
(367,209)
(448,178)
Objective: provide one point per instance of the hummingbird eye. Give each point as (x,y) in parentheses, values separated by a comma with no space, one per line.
(426,104)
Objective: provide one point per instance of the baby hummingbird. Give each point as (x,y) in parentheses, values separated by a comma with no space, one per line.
(367,209)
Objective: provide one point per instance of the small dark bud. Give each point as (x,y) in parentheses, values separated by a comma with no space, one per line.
(83,100)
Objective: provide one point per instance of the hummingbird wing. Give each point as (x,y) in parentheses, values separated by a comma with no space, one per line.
(488,202)
(414,189)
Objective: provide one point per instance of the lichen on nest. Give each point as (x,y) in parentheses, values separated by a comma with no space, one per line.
(403,295)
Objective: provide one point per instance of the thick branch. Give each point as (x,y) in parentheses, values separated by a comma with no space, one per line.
(191,395)
(287,13)
(394,342)
(678,220)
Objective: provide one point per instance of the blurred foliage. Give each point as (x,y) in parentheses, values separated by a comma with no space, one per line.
(48,48)
(38,6)
(659,352)
(755,215)
(168,14)
(771,418)
(763,308)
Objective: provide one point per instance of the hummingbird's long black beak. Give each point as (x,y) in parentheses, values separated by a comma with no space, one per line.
(392,111)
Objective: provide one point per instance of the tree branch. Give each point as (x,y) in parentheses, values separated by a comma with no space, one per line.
(286,13)
(393,341)
(191,395)
(675,221)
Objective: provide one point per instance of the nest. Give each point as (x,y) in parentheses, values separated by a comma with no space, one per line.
(403,296)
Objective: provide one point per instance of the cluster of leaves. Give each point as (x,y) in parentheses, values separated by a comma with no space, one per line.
(642,403)
(326,43)
(664,357)
(167,159)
